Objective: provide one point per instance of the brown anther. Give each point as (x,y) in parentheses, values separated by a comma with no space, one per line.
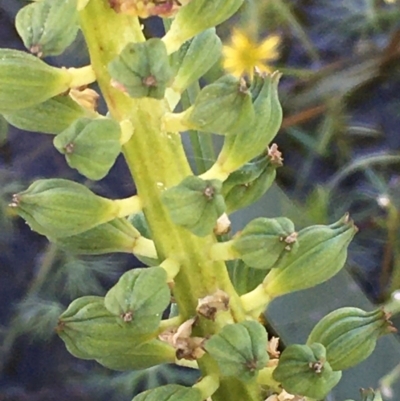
(60,327)
(316,366)
(272,347)
(275,155)
(223,225)
(291,238)
(150,81)
(36,49)
(69,148)
(243,86)
(251,365)
(127,316)
(209,192)
(15,201)
(210,305)
(114,4)
(86,97)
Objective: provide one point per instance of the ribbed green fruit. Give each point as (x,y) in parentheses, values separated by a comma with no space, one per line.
(350,335)
(254,139)
(195,204)
(240,349)
(61,208)
(264,241)
(142,69)
(90,331)
(27,81)
(48,27)
(91,146)
(195,58)
(304,370)
(50,117)
(196,17)
(223,107)
(322,252)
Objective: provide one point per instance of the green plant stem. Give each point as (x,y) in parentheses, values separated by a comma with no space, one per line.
(256,301)
(265,378)
(387,270)
(157,160)
(202,144)
(393,305)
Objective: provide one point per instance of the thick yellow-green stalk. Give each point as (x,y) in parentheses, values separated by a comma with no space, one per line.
(157,161)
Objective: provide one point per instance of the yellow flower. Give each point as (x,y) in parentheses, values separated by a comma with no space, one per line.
(244,55)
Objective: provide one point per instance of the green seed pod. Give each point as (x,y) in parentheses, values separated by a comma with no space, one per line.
(240,349)
(321,254)
(196,17)
(170,392)
(223,107)
(370,395)
(350,335)
(142,69)
(264,241)
(251,141)
(26,81)
(139,298)
(50,117)
(48,27)
(61,208)
(195,58)
(303,370)
(91,146)
(90,331)
(195,204)
(115,236)
(250,182)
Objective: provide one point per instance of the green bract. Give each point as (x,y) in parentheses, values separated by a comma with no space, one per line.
(240,349)
(48,27)
(142,69)
(50,117)
(264,241)
(195,204)
(90,145)
(26,81)
(350,335)
(61,208)
(223,107)
(303,370)
(139,298)
(170,392)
